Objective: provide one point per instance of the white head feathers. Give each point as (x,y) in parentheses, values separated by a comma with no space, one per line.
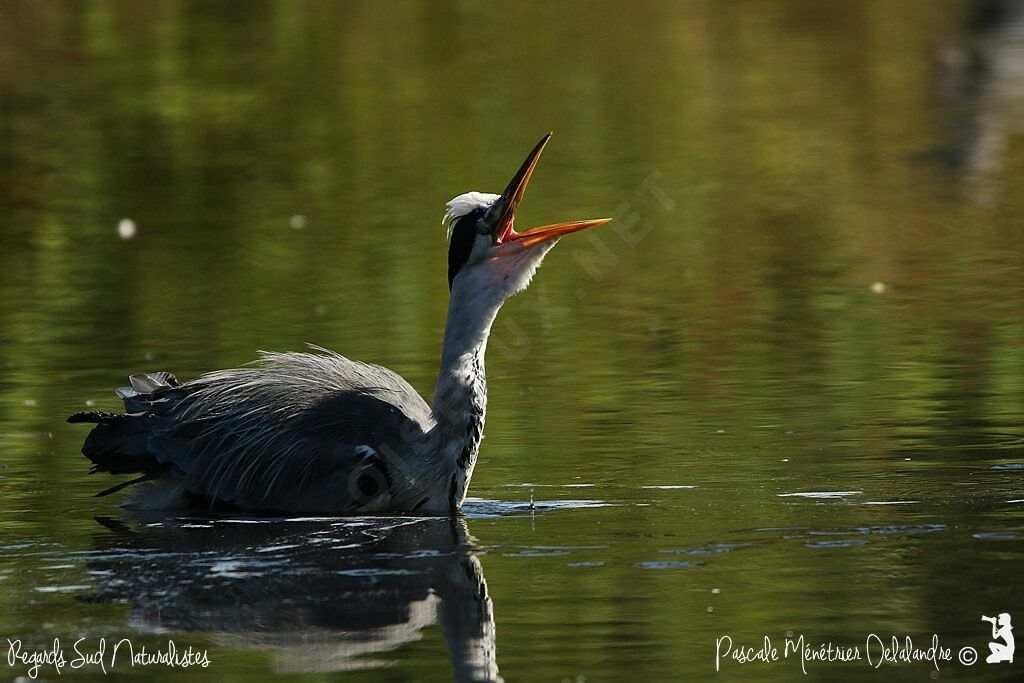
(465,203)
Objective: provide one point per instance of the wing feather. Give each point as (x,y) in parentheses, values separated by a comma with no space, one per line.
(289,432)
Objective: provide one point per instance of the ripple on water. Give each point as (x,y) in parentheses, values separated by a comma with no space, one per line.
(665,564)
(537,553)
(874,529)
(531,485)
(669,487)
(302,520)
(996,535)
(712,549)
(476,508)
(241,568)
(890,502)
(906,528)
(821,495)
(545,550)
(371,572)
(836,543)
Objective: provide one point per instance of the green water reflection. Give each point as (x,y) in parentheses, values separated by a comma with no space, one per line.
(815,283)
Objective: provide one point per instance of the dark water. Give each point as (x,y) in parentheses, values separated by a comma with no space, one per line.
(782,394)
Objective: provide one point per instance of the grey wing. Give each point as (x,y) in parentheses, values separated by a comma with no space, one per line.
(300,432)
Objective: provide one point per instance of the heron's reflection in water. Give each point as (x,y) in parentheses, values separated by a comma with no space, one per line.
(321,594)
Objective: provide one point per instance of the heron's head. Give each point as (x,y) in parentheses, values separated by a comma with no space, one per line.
(487,258)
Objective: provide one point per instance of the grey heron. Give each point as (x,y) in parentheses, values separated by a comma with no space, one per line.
(316,432)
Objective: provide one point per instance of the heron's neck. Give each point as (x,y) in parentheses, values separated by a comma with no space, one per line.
(460,397)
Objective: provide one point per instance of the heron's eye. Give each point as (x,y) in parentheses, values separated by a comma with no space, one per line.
(464,233)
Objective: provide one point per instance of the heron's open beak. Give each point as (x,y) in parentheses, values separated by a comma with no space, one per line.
(506,209)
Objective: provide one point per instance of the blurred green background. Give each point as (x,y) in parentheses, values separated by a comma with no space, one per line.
(814,283)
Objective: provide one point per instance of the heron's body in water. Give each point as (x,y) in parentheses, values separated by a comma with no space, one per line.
(316,432)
